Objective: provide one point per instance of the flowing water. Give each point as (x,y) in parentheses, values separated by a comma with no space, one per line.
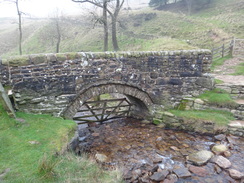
(139,148)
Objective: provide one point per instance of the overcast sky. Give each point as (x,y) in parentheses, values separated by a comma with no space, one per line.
(45,8)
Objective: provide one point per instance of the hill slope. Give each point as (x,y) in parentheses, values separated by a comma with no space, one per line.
(138,30)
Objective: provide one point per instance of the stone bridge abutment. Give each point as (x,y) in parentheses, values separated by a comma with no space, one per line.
(58,84)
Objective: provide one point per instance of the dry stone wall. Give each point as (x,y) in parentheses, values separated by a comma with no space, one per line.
(49,83)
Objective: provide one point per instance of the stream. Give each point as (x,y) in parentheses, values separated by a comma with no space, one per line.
(140,149)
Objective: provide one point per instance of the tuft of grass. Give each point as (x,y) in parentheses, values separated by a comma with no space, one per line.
(218,98)
(72,168)
(219,62)
(239,69)
(218,81)
(221,118)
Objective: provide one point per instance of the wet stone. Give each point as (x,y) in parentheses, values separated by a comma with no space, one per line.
(200,157)
(221,162)
(219,148)
(198,171)
(220,137)
(236,174)
(159,176)
(182,172)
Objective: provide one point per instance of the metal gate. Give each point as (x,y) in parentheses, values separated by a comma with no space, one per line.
(102,110)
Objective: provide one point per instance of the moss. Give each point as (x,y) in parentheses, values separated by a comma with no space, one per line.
(61,56)
(72,55)
(38,59)
(157,121)
(17,61)
(182,105)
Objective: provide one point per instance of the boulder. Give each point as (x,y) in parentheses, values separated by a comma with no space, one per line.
(200,157)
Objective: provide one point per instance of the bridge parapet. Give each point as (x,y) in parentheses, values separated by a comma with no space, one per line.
(49,83)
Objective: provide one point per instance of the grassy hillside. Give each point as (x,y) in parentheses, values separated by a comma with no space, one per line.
(138,30)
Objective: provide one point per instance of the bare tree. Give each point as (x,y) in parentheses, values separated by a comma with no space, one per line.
(16,2)
(112,7)
(189,6)
(57,32)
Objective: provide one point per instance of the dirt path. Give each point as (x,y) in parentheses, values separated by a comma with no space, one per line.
(223,72)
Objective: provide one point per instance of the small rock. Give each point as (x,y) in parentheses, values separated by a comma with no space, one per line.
(145,121)
(157,160)
(174,148)
(128,147)
(220,137)
(217,169)
(231,140)
(186,145)
(159,176)
(161,125)
(220,148)
(155,168)
(168,114)
(200,157)
(221,162)
(20,120)
(198,171)
(199,101)
(182,172)
(136,174)
(171,178)
(101,157)
(227,154)
(159,139)
(34,142)
(236,174)
(95,134)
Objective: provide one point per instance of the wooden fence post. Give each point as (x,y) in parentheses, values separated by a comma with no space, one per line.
(223,50)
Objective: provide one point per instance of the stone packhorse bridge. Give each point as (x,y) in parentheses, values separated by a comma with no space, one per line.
(59,84)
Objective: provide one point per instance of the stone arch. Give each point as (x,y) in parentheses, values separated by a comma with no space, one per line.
(139,98)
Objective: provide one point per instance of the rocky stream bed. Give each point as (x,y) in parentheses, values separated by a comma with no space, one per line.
(148,154)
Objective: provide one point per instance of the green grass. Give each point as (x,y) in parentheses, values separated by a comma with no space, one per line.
(218,97)
(218,81)
(239,70)
(221,118)
(219,62)
(40,162)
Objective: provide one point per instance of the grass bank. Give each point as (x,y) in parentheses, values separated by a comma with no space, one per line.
(220,118)
(29,152)
(218,97)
